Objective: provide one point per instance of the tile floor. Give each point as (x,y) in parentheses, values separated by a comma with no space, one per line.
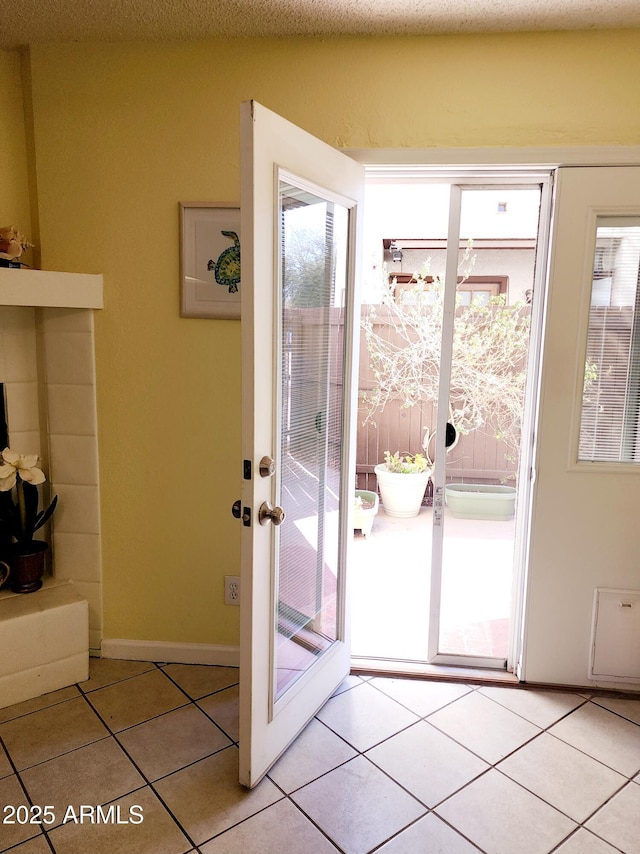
(396,766)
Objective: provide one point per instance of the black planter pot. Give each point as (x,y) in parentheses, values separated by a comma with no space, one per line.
(5,571)
(27,566)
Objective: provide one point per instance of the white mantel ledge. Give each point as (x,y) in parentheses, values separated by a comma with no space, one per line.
(50,289)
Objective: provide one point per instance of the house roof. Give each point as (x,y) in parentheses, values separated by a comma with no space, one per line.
(33,21)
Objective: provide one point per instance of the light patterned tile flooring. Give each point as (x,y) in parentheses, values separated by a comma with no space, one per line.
(396,766)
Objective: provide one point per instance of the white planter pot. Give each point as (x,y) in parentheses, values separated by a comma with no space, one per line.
(401,494)
(364,514)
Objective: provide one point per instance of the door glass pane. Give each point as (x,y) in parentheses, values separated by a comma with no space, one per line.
(398,385)
(486,405)
(313,242)
(611,390)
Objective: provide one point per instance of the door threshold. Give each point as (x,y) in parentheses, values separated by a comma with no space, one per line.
(436,672)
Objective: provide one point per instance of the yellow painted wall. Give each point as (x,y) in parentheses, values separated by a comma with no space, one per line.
(14,185)
(123,132)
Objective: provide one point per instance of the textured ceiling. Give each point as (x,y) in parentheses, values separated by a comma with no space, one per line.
(27,21)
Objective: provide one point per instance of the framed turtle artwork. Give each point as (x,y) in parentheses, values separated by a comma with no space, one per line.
(209,260)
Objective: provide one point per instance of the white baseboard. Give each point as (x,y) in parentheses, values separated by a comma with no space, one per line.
(175,653)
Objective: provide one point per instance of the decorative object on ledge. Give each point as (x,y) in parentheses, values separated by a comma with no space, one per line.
(5,571)
(12,245)
(209,260)
(26,561)
(20,519)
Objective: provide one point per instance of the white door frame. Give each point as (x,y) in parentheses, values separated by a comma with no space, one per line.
(542,157)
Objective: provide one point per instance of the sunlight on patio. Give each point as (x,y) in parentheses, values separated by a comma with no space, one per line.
(390,580)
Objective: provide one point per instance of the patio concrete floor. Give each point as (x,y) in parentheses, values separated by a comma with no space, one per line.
(390,581)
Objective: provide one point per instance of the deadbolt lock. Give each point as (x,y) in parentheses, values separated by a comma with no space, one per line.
(267,467)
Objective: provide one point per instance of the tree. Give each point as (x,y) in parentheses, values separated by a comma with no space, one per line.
(305,268)
(488,373)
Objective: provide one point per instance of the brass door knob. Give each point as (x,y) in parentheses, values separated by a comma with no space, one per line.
(267,514)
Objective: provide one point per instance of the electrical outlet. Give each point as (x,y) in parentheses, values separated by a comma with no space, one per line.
(232,590)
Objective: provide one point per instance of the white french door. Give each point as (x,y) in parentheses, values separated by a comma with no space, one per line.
(301,208)
(587,486)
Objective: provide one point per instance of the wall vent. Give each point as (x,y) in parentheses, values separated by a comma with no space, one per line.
(615,636)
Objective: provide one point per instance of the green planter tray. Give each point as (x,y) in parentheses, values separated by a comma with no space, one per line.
(480,501)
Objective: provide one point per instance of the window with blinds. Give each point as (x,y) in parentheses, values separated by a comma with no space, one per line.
(609,423)
(314,240)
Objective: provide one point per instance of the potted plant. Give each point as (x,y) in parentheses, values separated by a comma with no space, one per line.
(365,508)
(20,519)
(402,480)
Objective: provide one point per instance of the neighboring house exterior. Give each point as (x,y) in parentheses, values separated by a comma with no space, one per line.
(501,267)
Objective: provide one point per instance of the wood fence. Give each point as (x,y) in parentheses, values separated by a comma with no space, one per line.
(477,457)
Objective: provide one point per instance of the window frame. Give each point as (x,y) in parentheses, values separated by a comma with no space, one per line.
(596,218)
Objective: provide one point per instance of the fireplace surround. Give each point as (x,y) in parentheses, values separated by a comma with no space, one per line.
(47,368)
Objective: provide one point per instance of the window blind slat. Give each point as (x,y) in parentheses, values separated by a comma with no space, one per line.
(611,393)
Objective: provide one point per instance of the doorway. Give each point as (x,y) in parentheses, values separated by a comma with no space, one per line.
(270,144)
(454,275)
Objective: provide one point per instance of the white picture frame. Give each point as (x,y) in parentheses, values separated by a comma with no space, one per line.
(209,260)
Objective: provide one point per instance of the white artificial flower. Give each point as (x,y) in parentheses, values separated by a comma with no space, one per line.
(7,478)
(19,464)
